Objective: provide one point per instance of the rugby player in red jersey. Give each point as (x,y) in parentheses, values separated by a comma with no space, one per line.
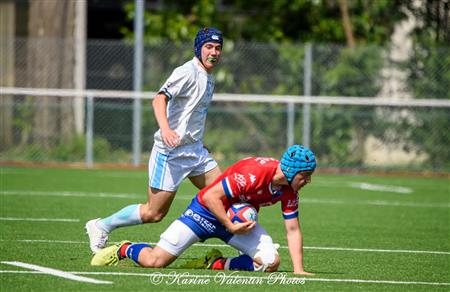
(259,181)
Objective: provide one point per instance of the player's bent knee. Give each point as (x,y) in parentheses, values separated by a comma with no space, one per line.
(266,261)
(149,260)
(152,264)
(274,266)
(150,216)
(149,263)
(155,258)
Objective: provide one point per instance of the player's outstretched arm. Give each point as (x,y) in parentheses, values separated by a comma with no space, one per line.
(295,244)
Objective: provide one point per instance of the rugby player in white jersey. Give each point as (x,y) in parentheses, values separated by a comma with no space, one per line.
(180,109)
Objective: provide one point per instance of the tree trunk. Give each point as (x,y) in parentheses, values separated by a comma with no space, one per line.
(50,65)
(358,151)
(7,31)
(343,5)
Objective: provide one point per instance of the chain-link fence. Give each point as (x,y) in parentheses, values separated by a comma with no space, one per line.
(252,68)
(44,128)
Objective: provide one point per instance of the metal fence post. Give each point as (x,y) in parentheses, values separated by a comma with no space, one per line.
(90,131)
(137,80)
(306,139)
(80,63)
(290,124)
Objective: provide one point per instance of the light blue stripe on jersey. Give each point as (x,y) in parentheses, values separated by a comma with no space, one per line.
(290,215)
(160,167)
(226,188)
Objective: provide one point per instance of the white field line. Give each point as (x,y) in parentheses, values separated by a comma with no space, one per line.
(363,186)
(375,203)
(375,250)
(125,175)
(188,198)
(47,241)
(56,273)
(39,219)
(68,194)
(221,278)
(344,249)
(282,247)
(51,241)
(380,188)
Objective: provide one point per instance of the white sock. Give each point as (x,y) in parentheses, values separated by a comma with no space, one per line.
(127,216)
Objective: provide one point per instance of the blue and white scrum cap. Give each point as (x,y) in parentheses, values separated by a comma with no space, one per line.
(297,158)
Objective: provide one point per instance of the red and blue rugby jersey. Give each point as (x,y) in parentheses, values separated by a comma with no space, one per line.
(250,181)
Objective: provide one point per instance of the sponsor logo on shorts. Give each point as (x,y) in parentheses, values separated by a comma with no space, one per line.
(200,220)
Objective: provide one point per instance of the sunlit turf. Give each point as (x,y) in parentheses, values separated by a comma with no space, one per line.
(384,233)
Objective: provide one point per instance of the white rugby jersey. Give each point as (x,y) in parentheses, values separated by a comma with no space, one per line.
(190,90)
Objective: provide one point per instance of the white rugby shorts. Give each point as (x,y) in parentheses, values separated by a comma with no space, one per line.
(167,171)
(177,238)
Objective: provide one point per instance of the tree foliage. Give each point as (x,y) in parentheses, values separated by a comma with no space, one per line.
(270,21)
(283,25)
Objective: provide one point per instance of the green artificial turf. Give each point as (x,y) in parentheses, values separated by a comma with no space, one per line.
(368,233)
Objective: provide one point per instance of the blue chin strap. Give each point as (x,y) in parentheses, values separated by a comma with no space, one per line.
(297,159)
(206,35)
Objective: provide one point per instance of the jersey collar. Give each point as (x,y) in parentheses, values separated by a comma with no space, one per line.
(198,66)
(275,192)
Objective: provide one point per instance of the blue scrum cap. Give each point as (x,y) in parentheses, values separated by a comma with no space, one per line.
(297,159)
(205,35)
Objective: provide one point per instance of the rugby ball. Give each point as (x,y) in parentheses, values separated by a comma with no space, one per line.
(242,212)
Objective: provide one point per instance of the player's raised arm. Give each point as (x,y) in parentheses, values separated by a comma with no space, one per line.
(295,244)
(213,201)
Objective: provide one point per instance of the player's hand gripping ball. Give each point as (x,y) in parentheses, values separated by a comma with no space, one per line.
(242,212)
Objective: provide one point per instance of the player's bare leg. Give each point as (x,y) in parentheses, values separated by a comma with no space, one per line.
(154,210)
(205,179)
(155,258)
(157,206)
(245,263)
(141,253)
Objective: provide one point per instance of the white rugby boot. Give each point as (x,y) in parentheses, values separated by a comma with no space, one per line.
(97,237)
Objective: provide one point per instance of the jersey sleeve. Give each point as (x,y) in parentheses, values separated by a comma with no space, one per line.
(175,83)
(236,183)
(289,205)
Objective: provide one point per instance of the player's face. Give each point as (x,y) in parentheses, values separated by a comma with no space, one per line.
(301,179)
(211,55)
